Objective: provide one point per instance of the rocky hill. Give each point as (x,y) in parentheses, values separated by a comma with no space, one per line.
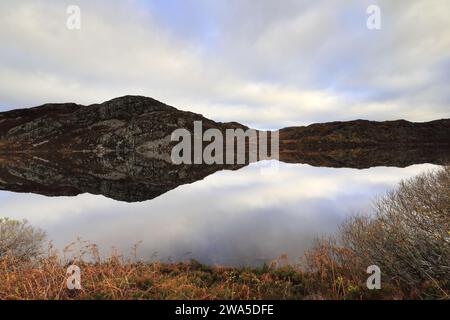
(130,123)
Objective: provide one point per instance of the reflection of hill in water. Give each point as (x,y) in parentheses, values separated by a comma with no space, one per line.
(133,177)
(367,157)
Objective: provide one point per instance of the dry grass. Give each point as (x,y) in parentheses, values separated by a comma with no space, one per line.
(330,272)
(114,278)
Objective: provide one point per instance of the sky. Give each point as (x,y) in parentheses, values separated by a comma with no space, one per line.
(267,64)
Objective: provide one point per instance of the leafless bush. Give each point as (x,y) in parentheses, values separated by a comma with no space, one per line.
(408,236)
(20,240)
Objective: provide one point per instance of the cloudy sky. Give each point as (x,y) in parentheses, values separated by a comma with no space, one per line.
(266,63)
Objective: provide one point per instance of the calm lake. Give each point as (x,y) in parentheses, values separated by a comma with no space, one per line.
(243,217)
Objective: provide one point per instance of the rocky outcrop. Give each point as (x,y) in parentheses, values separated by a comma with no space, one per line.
(130,123)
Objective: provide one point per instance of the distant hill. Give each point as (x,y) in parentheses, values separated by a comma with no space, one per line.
(364,132)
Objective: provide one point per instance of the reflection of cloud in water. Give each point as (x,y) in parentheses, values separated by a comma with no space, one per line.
(241,217)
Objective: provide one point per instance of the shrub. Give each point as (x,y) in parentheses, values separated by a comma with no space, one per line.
(20,240)
(408,236)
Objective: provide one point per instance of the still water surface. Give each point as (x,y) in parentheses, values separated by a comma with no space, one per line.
(243,217)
